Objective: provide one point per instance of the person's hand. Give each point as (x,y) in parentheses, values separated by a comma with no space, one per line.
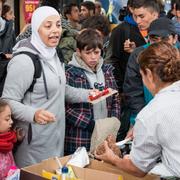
(130,133)
(8,56)
(108,156)
(129,46)
(43,117)
(20,133)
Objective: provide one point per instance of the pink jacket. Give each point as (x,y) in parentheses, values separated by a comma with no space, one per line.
(6,161)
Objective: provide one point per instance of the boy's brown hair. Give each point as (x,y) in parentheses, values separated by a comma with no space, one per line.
(89,39)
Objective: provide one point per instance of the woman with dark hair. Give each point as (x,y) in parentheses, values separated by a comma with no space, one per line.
(7,12)
(156,132)
(7,34)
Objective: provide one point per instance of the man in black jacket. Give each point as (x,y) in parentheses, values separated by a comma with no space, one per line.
(116,55)
(125,37)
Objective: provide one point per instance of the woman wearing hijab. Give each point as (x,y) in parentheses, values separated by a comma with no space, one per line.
(42,112)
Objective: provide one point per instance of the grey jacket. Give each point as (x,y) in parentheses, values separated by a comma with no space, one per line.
(47,140)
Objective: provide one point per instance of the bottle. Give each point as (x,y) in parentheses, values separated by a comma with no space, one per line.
(64,173)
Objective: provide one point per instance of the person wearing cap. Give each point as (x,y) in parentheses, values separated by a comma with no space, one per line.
(136,93)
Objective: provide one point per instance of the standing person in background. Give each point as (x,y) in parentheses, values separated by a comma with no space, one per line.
(41,111)
(99,10)
(144,13)
(156,131)
(7,34)
(117,55)
(87,9)
(7,12)
(71,13)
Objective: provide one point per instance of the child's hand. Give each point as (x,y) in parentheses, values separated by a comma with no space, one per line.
(20,133)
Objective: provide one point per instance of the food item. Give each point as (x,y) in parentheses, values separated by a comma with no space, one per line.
(111,140)
(99,94)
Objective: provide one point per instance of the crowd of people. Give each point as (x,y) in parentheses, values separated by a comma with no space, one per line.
(54,65)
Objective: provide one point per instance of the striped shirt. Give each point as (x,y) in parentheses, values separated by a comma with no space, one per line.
(156,132)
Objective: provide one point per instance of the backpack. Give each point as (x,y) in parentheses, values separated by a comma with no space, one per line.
(37,68)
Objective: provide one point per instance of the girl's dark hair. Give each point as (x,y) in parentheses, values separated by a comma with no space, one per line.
(6,8)
(3,104)
(162,59)
(89,39)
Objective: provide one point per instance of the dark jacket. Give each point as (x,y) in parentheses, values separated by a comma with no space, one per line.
(136,94)
(79,117)
(7,38)
(119,58)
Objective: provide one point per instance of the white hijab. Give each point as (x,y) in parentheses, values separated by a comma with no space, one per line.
(39,15)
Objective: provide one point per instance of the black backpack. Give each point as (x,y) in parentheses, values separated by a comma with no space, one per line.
(37,68)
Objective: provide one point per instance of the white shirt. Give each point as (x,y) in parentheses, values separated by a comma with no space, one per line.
(157,132)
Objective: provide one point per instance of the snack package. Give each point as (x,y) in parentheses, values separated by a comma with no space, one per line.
(80,158)
(101,95)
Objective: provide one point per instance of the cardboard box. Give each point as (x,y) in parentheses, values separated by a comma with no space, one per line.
(95,171)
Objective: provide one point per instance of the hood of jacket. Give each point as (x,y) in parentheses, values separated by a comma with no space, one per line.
(24,45)
(129,19)
(78,62)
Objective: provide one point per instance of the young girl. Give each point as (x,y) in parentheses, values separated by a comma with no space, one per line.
(7,139)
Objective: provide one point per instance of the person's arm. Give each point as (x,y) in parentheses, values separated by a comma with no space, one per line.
(124,164)
(19,77)
(76,95)
(133,85)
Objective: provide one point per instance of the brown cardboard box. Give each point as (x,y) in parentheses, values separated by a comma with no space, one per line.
(95,171)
